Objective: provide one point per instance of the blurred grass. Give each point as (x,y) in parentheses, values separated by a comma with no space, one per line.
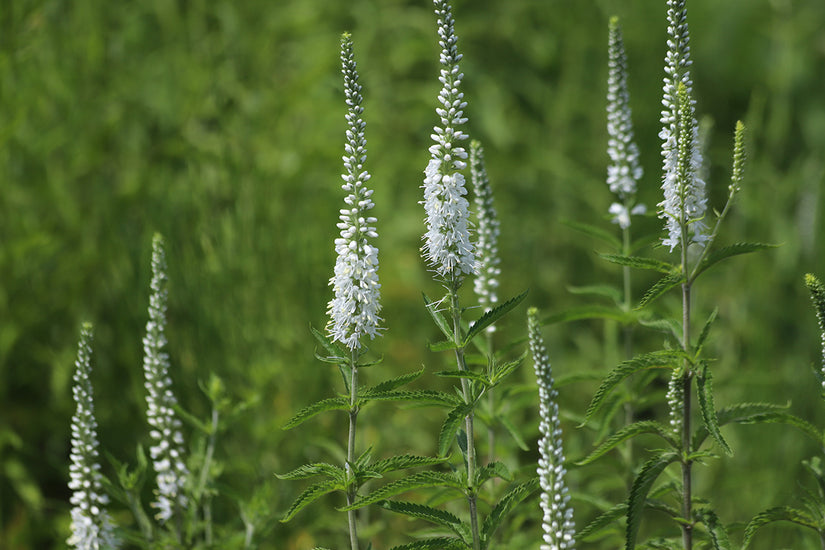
(220,124)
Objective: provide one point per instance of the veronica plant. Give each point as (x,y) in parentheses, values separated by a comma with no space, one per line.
(91,526)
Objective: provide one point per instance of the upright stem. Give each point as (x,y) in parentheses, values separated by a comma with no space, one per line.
(353,415)
(491,403)
(468,420)
(627,334)
(207,465)
(687,377)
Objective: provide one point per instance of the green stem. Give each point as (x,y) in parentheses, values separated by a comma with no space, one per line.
(687,377)
(468,420)
(627,334)
(207,464)
(353,415)
(709,243)
(491,403)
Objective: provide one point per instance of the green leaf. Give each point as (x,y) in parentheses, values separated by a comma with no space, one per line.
(491,470)
(310,495)
(332,404)
(741,413)
(428,397)
(443,345)
(660,287)
(604,520)
(468,374)
(421,511)
(605,291)
(716,531)
(419,480)
(491,317)
(638,493)
(337,352)
(666,325)
(717,256)
(403,462)
(440,320)
(450,427)
(789,419)
(703,336)
(389,385)
(317,469)
(506,505)
(587,312)
(595,232)
(780,513)
(502,371)
(655,360)
(705,390)
(632,430)
(438,543)
(513,431)
(641,263)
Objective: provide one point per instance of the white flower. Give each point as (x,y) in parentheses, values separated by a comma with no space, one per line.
(354,309)
(558,525)
(621,215)
(486,282)
(684,190)
(167,442)
(447,246)
(91,526)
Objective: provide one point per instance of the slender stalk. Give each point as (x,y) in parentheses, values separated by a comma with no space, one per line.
(353,415)
(491,403)
(204,476)
(687,377)
(627,334)
(468,420)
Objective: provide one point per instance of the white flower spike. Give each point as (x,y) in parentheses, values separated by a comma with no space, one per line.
(353,311)
(486,281)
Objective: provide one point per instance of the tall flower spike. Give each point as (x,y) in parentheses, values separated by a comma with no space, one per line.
(353,312)
(167,441)
(684,190)
(486,282)
(91,527)
(818,296)
(447,247)
(624,171)
(557,523)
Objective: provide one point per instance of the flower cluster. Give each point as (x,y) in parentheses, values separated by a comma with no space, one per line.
(167,441)
(559,529)
(354,310)
(624,171)
(684,190)
(447,247)
(486,282)
(91,527)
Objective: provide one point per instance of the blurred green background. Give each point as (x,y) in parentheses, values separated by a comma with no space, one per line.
(221,124)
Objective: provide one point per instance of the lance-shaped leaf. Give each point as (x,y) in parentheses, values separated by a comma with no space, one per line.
(438,543)
(705,389)
(438,317)
(638,493)
(717,256)
(588,312)
(703,336)
(605,291)
(502,371)
(514,433)
(467,374)
(403,462)
(595,232)
(310,495)
(423,397)
(317,469)
(780,513)
(605,519)
(662,359)
(443,345)
(506,505)
(337,353)
(494,469)
(331,404)
(741,413)
(416,481)
(450,427)
(632,430)
(666,325)
(660,287)
(492,316)
(716,531)
(641,263)
(442,518)
(395,383)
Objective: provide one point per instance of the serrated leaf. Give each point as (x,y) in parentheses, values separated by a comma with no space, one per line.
(740,413)
(605,291)
(595,232)
(438,543)
(705,390)
(491,317)
(603,520)
(506,505)
(310,495)
(660,287)
(336,351)
(513,431)
(389,385)
(421,511)
(430,397)
(638,493)
(655,360)
(450,427)
(419,480)
(780,513)
(667,325)
(791,420)
(491,470)
(641,263)
(703,336)
(468,374)
(587,312)
(317,469)
(502,371)
(331,404)
(403,462)
(736,249)
(440,320)
(716,531)
(443,345)
(632,430)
